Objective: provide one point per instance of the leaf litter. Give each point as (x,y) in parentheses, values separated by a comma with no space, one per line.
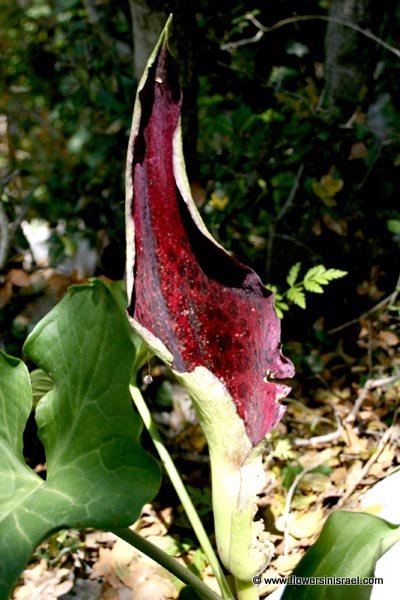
(342,454)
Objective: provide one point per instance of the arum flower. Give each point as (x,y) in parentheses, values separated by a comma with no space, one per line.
(204,313)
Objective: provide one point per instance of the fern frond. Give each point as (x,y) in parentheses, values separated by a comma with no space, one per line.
(293,274)
(295,295)
(313,286)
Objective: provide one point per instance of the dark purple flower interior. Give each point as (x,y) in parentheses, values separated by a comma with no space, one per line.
(206,307)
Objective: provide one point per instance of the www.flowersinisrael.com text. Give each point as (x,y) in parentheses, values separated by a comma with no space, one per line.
(325,580)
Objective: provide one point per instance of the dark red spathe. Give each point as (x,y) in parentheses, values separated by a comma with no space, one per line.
(206,307)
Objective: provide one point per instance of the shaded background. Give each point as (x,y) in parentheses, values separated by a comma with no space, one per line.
(291,137)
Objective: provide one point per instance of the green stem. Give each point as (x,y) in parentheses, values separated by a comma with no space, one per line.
(246,590)
(181,492)
(166,561)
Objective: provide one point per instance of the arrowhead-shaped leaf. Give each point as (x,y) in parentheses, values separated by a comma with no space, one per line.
(348,546)
(97,473)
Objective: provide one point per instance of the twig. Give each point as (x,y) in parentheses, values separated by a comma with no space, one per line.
(252,40)
(370,384)
(379,449)
(381,303)
(262,29)
(327,438)
(292,194)
(289,498)
(280,215)
(296,242)
(394,294)
(7,178)
(4,236)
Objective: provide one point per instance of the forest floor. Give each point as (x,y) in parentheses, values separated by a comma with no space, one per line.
(340,435)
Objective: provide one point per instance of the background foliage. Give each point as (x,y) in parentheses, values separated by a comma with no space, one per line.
(284,174)
(281,179)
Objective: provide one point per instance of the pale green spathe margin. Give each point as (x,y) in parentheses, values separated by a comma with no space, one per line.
(237,476)
(137,114)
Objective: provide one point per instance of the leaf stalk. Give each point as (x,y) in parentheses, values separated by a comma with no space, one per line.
(181,491)
(166,561)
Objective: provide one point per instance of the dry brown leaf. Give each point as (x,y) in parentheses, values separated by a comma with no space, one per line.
(338,477)
(317,228)
(122,552)
(355,444)
(149,582)
(300,501)
(384,460)
(130,574)
(358,150)
(338,226)
(316,482)
(94,539)
(353,474)
(5,293)
(305,525)
(44,583)
(286,564)
(104,567)
(152,522)
(192,439)
(388,338)
(314,458)
(19,277)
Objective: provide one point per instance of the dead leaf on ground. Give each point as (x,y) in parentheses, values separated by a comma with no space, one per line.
(154,522)
(125,568)
(44,583)
(305,525)
(286,564)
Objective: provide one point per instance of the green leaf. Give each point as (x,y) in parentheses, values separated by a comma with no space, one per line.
(331,274)
(97,473)
(41,383)
(321,276)
(293,274)
(297,296)
(315,273)
(313,286)
(348,546)
(393,226)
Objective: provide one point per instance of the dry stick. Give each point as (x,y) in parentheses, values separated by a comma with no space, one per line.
(370,384)
(327,438)
(395,294)
(4,236)
(292,193)
(379,449)
(290,20)
(289,498)
(387,300)
(322,439)
(280,215)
